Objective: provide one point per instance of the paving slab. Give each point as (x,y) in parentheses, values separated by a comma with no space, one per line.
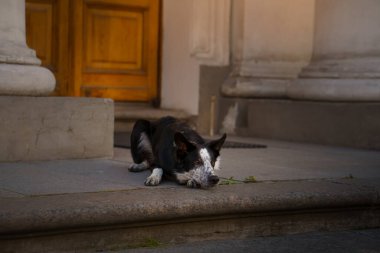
(98,204)
(276,163)
(291,161)
(279,161)
(67,176)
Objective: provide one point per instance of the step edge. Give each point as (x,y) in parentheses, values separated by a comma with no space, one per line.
(128,115)
(76,211)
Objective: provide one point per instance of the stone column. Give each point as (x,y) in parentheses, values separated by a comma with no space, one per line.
(20,71)
(346,58)
(271,43)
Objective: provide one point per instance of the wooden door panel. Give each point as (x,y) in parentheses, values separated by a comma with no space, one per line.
(108,49)
(39,27)
(98,48)
(116,49)
(116,94)
(46,32)
(114,81)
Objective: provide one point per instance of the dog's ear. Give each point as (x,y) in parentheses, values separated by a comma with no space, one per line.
(182,144)
(216,145)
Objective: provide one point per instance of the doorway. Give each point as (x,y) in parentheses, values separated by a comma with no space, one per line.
(98,48)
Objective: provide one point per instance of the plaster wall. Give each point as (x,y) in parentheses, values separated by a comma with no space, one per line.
(180,72)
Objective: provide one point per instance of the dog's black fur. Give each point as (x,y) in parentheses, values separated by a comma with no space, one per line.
(170,148)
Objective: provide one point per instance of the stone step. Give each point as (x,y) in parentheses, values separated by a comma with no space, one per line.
(127,113)
(122,219)
(48,128)
(343,124)
(96,205)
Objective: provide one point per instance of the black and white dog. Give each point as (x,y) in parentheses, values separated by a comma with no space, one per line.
(171,149)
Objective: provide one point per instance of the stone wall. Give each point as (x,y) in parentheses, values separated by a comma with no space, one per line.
(48,128)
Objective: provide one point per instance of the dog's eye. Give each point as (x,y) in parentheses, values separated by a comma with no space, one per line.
(198,163)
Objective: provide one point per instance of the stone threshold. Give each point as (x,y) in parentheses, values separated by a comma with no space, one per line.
(132,111)
(127,113)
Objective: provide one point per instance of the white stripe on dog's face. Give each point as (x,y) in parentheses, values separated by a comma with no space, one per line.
(206,169)
(205,156)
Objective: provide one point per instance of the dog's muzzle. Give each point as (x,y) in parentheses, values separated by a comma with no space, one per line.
(213,180)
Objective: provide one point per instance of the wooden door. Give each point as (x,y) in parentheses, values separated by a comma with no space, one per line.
(46,32)
(111,47)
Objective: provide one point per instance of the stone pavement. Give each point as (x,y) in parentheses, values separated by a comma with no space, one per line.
(279,161)
(97,204)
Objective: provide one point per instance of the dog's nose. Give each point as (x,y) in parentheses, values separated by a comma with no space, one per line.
(213,179)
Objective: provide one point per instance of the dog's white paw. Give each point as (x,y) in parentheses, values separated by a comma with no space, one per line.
(154,178)
(137,167)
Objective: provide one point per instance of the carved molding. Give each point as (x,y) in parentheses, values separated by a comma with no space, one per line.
(210,31)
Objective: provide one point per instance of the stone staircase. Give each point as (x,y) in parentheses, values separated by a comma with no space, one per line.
(96,205)
(346,124)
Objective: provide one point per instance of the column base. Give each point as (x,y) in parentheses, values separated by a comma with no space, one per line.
(356,90)
(25,80)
